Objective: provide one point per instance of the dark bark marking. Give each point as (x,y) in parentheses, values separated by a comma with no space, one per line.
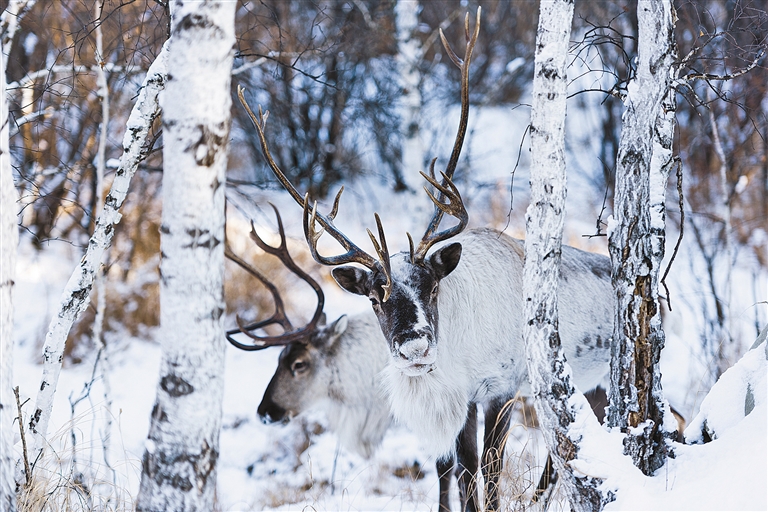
(158,414)
(76,301)
(565,447)
(549,72)
(643,350)
(35,419)
(212,141)
(204,465)
(201,238)
(195,21)
(164,470)
(175,386)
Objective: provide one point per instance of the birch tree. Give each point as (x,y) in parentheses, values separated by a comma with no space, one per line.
(408,55)
(77,292)
(9,239)
(636,242)
(179,464)
(557,403)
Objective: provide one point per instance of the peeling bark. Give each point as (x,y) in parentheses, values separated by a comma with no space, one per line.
(636,243)
(556,407)
(179,465)
(77,291)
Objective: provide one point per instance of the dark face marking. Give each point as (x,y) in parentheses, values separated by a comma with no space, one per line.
(294,387)
(294,368)
(409,318)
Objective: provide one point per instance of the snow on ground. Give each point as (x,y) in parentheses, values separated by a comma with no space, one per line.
(299,466)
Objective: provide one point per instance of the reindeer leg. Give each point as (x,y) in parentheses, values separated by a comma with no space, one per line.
(547,482)
(444,473)
(497,417)
(466,469)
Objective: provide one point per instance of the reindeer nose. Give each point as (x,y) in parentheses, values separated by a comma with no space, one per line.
(270,413)
(414,349)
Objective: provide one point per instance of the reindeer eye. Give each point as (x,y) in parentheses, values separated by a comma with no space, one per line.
(434,290)
(299,366)
(374,302)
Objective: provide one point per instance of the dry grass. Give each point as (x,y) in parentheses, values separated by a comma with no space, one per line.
(71,480)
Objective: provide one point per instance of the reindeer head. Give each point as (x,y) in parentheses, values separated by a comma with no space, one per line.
(403,289)
(298,381)
(409,317)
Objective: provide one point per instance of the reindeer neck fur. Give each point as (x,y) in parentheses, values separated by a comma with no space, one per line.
(472,337)
(480,346)
(354,404)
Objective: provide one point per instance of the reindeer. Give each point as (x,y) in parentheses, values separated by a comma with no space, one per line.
(335,368)
(453,319)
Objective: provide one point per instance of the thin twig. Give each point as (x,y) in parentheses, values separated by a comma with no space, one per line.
(728,76)
(599,222)
(680,235)
(27,472)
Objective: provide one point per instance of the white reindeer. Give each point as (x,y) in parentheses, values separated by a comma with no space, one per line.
(453,321)
(336,369)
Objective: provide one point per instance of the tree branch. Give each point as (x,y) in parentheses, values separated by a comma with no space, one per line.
(77,292)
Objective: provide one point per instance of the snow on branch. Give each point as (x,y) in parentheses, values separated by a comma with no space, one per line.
(9,22)
(77,292)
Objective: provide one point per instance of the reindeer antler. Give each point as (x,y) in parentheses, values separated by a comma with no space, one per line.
(278,317)
(312,217)
(446,189)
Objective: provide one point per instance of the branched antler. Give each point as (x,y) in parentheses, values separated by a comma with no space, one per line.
(312,217)
(278,317)
(447,189)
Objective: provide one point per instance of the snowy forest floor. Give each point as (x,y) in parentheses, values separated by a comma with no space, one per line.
(300,466)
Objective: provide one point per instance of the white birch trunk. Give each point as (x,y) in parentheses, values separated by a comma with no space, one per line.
(409,53)
(9,239)
(725,352)
(9,23)
(636,242)
(100,283)
(408,57)
(179,464)
(77,291)
(550,375)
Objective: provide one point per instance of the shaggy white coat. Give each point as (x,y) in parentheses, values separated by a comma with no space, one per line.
(480,348)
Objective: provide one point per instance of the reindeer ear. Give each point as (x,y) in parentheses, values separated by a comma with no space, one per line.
(445,259)
(352,279)
(340,325)
(327,338)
